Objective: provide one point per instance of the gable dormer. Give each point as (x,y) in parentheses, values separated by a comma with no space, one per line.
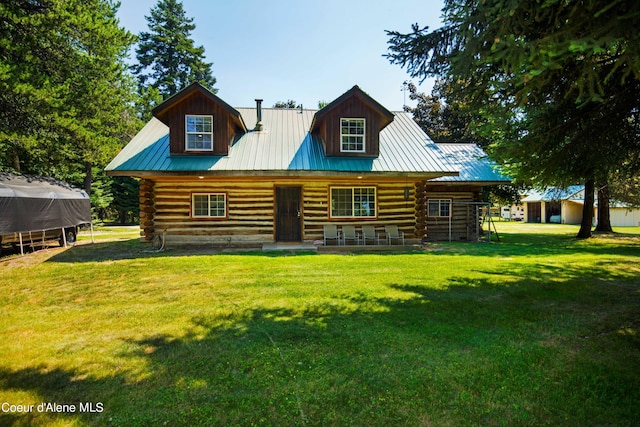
(350,125)
(199,122)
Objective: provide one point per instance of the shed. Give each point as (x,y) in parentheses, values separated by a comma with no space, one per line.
(565,206)
(559,205)
(41,206)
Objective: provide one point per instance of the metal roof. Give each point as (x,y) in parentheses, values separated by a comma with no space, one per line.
(573,192)
(472,162)
(285,146)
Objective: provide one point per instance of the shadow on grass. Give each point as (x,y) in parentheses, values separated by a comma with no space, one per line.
(474,352)
(511,245)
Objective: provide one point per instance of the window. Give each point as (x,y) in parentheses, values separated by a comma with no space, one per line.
(209,205)
(199,133)
(352,135)
(357,202)
(439,207)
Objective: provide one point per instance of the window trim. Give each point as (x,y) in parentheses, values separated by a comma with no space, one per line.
(187,133)
(352,216)
(363,136)
(439,201)
(209,217)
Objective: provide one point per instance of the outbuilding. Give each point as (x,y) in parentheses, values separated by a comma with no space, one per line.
(37,210)
(564,205)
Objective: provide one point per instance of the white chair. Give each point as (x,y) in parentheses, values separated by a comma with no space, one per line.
(331,233)
(369,233)
(349,233)
(392,233)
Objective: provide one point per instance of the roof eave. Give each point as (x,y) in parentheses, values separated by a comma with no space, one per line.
(283,173)
(468,182)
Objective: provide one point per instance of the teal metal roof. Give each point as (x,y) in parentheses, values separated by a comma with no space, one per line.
(472,163)
(285,146)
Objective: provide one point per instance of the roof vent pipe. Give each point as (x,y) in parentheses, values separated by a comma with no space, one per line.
(259,125)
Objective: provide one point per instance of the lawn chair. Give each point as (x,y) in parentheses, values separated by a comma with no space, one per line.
(392,232)
(369,233)
(349,233)
(331,232)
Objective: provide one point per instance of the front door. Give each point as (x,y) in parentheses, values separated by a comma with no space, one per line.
(288,214)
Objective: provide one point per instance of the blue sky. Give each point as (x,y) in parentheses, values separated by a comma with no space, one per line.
(298,49)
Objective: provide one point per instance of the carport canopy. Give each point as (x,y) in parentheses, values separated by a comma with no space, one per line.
(29,203)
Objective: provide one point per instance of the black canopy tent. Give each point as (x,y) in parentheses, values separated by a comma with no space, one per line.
(29,204)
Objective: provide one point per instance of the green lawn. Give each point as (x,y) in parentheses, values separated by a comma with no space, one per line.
(538,329)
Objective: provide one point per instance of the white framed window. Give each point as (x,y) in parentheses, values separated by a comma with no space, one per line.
(209,205)
(439,207)
(353,202)
(199,133)
(352,135)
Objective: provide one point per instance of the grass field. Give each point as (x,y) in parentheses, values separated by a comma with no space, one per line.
(538,329)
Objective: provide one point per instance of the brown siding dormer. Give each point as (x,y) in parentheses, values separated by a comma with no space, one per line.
(196,100)
(356,106)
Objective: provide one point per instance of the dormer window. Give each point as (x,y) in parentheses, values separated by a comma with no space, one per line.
(199,133)
(352,135)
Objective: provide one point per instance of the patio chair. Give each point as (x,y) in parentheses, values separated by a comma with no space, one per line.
(331,232)
(369,233)
(349,233)
(392,233)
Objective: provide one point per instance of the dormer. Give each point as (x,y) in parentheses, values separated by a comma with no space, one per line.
(199,122)
(350,125)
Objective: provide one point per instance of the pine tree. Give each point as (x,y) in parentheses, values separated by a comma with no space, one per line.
(168,59)
(66,99)
(557,85)
(127,197)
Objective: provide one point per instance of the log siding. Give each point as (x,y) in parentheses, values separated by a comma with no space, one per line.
(251,209)
(464,223)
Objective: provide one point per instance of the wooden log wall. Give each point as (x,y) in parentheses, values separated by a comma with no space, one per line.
(147,210)
(465,218)
(393,209)
(420,210)
(166,205)
(249,206)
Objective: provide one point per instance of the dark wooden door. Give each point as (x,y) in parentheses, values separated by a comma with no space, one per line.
(288,214)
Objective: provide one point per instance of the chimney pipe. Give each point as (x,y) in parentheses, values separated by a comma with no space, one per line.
(259,125)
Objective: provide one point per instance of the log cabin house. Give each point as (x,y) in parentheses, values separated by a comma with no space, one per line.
(214,174)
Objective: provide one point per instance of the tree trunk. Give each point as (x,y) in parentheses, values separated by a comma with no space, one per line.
(88,177)
(604,217)
(587,210)
(16,161)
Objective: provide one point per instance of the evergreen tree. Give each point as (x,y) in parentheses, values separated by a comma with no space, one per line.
(127,198)
(556,83)
(101,195)
(66,100)
(168,59)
